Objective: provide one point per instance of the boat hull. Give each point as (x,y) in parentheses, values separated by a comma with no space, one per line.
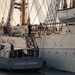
(21,64)
(62,59)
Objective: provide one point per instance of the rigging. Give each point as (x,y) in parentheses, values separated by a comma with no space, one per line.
(8,10)
(31,7)
(52,11)
(38,11)
(5,8)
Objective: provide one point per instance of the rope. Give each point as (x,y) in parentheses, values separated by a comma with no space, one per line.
(38,12)
(41,15)
(5,7)
(8,11)
(44,5)
(1,3)
(31,7)
(46,19)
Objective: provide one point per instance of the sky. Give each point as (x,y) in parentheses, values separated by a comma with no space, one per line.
(17,13)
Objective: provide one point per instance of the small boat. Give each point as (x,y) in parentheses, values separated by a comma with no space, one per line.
(23,59)
(18,52)
(67,15)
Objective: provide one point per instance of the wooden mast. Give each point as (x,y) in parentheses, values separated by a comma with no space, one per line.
(22,7)
(73,3)
(65,4)
(23,12)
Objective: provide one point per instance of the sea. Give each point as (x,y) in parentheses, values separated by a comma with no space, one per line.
(44,71)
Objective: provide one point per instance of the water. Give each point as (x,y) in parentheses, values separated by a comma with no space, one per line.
(45,71)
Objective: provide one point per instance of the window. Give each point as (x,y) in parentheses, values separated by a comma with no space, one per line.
(56,52)
(73,53)
(1,54)
(49,52)
(7,54)
(15,28)
(43,51)
(25,51)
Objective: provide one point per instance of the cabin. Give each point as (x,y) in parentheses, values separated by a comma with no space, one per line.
(17,53)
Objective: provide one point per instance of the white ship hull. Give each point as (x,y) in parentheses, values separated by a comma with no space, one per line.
(58,50)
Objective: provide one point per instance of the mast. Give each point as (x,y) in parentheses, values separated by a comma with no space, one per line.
(73,3)
(22,7)
(65,4)
(23,12)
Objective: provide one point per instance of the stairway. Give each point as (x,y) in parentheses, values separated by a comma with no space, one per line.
(31,42)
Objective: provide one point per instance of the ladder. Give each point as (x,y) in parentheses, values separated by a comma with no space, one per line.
(31,42)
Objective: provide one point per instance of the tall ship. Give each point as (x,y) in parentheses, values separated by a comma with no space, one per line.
(56,43)
(54,30)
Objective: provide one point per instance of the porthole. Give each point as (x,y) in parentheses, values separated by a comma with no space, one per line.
(56,52)
(73,53)
(65,52)
(49,52)
(43,51)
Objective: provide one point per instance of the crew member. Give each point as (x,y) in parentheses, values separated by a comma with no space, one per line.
(37,51)
(29,29)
